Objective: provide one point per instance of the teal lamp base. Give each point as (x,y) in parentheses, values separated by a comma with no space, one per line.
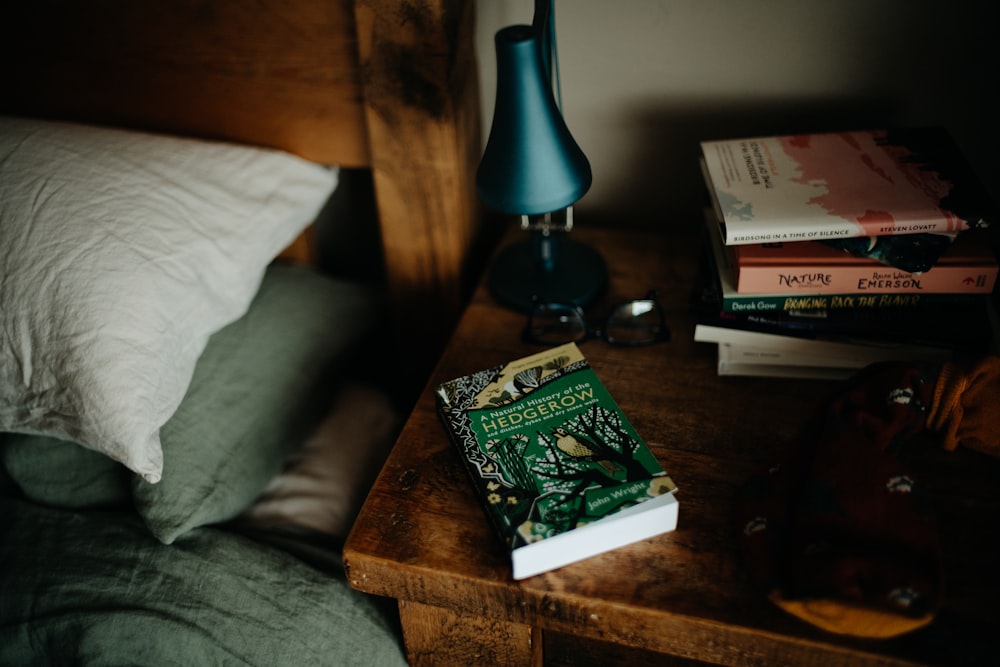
(547,270)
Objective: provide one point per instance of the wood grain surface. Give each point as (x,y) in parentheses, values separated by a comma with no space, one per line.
(422,538)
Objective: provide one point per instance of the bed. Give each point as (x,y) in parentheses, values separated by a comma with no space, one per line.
(234,237)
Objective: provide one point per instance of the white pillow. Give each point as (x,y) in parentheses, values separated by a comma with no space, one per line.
(120,254)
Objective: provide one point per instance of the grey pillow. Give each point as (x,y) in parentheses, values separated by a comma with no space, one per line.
(260,387)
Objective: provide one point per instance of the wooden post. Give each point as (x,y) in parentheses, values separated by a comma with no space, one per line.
(420,87)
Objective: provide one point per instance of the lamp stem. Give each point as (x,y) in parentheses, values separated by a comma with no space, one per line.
(544,249)
(542,228)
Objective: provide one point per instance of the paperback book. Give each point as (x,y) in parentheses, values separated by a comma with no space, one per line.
(809,187)
(960,329)
(747,354)
(718,285)
(803,267)
(860,353)
(971,248)
(736,360)
(559,469)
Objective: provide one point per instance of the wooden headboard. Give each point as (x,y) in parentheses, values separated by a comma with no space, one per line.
(386,85)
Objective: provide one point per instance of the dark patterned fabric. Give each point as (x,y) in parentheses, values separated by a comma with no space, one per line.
(839,525)
(839,532)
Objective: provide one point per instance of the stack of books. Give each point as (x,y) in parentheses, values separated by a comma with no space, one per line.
(827,252)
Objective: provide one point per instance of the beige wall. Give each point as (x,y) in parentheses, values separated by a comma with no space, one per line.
(644,80)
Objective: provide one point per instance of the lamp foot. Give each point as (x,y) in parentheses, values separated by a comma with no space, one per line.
(576,275)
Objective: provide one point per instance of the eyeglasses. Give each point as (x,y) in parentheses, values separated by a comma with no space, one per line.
(636,322)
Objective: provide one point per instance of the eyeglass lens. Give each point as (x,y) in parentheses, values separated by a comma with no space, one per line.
(553,324)
(635,322)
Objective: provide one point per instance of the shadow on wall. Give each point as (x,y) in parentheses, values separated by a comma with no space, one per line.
(663,183)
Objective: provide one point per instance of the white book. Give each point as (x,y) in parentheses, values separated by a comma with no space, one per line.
(779,371)
(736,360)
(746,354)
(860,353)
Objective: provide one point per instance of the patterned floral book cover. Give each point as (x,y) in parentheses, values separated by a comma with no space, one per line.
(559,469)
(837,185)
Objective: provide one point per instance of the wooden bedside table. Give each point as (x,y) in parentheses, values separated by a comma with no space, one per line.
(423,539)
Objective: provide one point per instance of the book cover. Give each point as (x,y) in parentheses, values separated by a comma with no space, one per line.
(967,266)
(718,286)
(873,277)
(559,469)
(835,185)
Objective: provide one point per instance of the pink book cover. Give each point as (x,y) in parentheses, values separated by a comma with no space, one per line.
(842,273)
(842,185)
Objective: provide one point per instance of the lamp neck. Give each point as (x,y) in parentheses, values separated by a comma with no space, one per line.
(546,223)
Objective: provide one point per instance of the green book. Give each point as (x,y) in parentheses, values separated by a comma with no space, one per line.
(561,472)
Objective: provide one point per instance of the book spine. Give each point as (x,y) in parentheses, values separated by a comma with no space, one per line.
(728,368)
(750,303)
(793,231)
(943,279)
(867,352)
(735,353)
